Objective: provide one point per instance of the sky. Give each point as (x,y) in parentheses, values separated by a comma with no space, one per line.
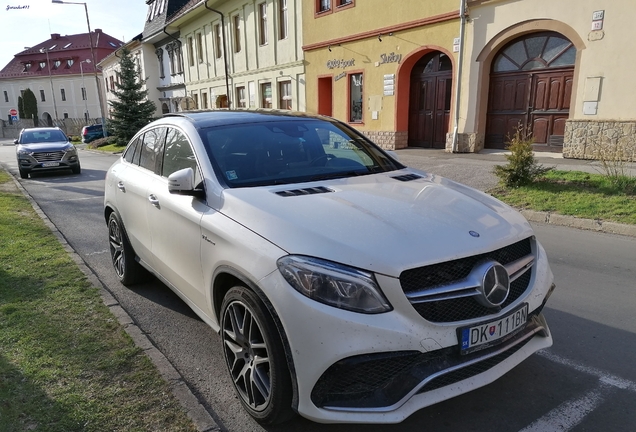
(24,23)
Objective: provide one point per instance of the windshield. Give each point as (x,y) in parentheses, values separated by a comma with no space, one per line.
(291,151)
(32,137)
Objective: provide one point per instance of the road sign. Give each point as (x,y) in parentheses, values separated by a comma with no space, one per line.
(13,112)
(14,118)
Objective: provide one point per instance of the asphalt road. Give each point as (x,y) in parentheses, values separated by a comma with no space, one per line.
(585,382)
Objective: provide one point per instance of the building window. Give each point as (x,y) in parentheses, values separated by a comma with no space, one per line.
(112,83)
(200,47)
(262,23)
(86,116)
(42,96)
(83,93)
(237,33)
(63,92)
(56,64)
(217,41)
(204,100)
(159,53)
(282,19)
(65,115)
(42,65)
(323,6)
(195,96)
(6,96)
(27,66)
(179,58)
(240,97)
(284,95)
(266,95)
(190,51)
(344,2)
(355,98)
(69,63)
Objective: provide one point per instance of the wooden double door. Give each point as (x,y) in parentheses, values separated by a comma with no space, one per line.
(430,101)
(538,102)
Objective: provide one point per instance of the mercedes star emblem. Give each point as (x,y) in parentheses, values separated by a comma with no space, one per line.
(495,286)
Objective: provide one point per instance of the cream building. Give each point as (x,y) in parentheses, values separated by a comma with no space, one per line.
(257,42)
(560,68)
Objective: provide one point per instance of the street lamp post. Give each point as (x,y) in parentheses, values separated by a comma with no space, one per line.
(48,64)
(90,36)
(85,93)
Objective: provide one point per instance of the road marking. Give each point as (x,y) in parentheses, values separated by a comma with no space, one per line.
(603,376)
(569,414)
(97,253)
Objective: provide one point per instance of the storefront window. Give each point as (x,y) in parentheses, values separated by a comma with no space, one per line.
(355,98)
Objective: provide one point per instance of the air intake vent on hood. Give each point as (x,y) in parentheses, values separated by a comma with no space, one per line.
(407,177)
(305,191)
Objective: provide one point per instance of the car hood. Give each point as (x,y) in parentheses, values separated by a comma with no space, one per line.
(41,147)
(377,222)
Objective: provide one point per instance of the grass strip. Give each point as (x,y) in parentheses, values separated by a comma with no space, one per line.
(66,364)
(576,193)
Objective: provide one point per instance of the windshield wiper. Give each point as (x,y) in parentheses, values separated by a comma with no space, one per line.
(331,176)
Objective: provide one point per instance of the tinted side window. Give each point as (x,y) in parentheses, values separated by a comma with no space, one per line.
(130,151)
(152,146)
(178,154)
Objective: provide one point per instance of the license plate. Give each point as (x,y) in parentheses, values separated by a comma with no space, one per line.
(50,164)
(485,335)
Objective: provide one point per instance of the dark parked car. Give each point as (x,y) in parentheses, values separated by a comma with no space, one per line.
(43,149)
(92,132)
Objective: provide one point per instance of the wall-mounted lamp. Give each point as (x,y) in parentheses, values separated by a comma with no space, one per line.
(329,48)
(380,37)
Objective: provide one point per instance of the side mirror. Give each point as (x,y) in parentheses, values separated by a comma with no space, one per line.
(182,183)
(15,141)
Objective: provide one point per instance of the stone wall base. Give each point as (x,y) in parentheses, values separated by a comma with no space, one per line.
(466,142)
(388,140)
(600,140)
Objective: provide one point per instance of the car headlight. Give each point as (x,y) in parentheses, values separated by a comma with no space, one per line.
(69,147)
(334,284)
(23,153)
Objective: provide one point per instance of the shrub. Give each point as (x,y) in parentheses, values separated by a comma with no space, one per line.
(100,142)
(522,168)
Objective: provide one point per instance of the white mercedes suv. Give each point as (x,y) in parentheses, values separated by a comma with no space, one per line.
(345,286)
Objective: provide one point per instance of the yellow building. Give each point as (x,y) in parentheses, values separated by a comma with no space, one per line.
(386,71)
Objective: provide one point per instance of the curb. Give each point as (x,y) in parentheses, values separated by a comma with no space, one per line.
(574,222)
(196,412)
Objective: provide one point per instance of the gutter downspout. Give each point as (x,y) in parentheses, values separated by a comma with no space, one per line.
(460,64)
(227,75)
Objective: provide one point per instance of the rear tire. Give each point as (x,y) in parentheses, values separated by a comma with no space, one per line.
(255,357)
(128,270)
(24,174)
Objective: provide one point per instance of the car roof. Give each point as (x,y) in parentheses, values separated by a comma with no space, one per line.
(205,119)
(42,129)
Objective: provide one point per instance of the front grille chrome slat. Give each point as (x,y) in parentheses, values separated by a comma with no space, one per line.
(448,291)
(48,156)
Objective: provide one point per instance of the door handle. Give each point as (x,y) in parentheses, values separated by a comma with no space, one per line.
(121,187)
(153,200)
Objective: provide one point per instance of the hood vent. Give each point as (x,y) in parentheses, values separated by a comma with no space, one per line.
(306,191)
(407,177)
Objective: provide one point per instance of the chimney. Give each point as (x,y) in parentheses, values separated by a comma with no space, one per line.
(98,30)
(55,36)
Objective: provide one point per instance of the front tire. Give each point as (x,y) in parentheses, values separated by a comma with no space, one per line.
(24,173)
(77,169)
(255,357)
(128,270)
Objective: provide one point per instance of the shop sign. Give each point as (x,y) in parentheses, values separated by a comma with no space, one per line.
(340,63)
(390,58)
(340,76)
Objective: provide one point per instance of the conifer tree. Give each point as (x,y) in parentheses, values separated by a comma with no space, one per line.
(131,110)
(20,107)
(29,104)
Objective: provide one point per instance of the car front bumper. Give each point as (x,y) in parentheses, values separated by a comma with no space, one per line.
(35,162)
(358,368)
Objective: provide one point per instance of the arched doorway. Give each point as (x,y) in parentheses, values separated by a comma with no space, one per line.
(531,86)
(164,108)
(47,119)
(430,100)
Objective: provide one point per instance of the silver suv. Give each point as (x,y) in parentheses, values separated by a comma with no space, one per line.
(45,149)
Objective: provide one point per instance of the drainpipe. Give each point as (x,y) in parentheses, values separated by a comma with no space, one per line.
(227,75)
(460,64)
